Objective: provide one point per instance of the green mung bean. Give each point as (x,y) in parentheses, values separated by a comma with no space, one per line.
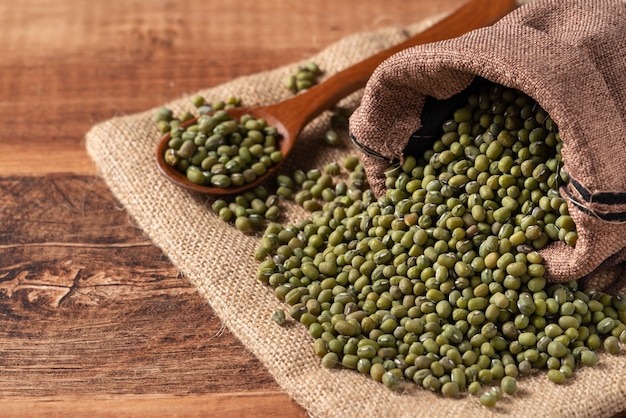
(279,316)
(556,376)
(588,358)
(488,399)
(612,345)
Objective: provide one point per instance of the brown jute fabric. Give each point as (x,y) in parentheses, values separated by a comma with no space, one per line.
(219,261)
(570,56)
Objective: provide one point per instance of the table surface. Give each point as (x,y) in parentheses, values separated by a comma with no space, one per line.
(94,319)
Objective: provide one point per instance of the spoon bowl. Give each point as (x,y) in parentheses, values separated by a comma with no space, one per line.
(285,144)
(291,116)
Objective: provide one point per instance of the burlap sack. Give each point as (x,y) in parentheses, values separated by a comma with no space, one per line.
(570,56)
(203,247)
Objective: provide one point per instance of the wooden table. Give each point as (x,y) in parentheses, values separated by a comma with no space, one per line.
(94,320)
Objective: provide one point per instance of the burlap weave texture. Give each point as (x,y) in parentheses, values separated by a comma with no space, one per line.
(204,248)
(566,54)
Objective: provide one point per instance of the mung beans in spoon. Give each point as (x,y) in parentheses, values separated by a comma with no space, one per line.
(285,120)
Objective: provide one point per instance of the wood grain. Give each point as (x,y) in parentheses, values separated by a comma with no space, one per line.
(257,404)
(89,305)
(68,64)
(93,317)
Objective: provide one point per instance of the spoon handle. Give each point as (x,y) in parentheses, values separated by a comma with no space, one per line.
(301,109)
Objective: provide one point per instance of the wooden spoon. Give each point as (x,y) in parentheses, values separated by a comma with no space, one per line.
(292,115)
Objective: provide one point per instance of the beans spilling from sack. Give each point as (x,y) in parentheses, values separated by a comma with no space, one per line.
(440,281)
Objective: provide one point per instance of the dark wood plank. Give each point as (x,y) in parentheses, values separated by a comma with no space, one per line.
(89,305)
(249,404)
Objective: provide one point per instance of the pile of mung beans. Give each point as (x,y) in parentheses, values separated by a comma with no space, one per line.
(248,211)
(440,281)
(304,78)
(217,150)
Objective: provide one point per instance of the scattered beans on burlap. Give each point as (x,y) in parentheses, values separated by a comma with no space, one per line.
(220,262)
(439,281)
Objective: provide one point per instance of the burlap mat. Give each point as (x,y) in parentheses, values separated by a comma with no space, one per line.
(218,260)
